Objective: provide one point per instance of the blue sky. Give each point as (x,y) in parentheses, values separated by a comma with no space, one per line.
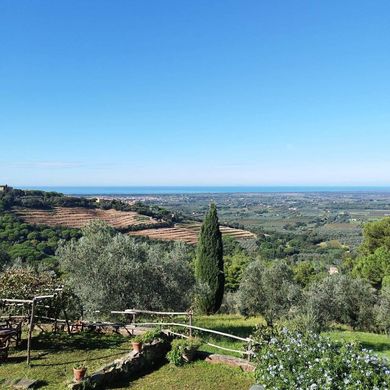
(194,92)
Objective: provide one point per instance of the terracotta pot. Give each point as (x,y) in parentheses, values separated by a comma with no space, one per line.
(137,347)
(79,374)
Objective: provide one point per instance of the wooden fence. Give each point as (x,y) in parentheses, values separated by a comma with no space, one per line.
(248,352)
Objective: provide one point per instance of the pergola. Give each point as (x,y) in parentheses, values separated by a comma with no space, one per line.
(32,304)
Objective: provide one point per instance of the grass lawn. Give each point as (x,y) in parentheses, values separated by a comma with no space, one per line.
(232,324)
(377,343)
(54,355)
(195,376)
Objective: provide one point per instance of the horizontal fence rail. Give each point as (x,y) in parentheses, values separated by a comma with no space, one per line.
(248,341)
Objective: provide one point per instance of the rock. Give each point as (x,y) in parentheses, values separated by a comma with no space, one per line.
(257,387)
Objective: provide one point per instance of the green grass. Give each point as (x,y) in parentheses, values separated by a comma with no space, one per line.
(201,375)
(232,324)
(198,375)
(377,343)
(54,355)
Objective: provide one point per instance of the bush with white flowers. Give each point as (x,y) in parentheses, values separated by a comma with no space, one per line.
(293,360)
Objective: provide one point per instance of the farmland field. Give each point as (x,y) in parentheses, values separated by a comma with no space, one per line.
(333,215)
(78,217)
(189,233)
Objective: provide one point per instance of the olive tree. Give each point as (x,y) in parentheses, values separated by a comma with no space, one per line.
(382,310)
(340,298)
(110,271)
(268,290)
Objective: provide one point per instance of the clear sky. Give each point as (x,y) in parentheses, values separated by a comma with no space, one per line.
(201,92)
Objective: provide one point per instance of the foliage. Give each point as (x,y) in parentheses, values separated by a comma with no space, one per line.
(181,347)
(148,336)
(268,290)
(235,259)
(375,235)
(29,242)
(235,265)
(4,258)
(80,365)
(40,200)
(305,273)
(342,299)
(287,360)
(111,271)
(33,243)
(382,310)
(377,343)
(209,272)
(24,283)
(374,267)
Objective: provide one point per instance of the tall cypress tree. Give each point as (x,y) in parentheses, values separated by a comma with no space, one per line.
(209,273)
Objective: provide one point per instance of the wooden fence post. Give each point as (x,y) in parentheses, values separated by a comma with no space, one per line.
(190,320)
(249,350)
(67,322)
(30,329)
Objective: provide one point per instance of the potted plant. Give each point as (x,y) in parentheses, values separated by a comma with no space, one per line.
(150,335)
(136,343)
(79,371)
(183,350)
(145,338)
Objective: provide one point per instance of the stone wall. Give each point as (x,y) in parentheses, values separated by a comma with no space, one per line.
(131,365)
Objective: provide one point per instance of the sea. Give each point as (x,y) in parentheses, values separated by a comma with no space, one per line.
(164,190)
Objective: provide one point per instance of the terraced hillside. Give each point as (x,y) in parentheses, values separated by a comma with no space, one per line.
(79,216)
(189,233)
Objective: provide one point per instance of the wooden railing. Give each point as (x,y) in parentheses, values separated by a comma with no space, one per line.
(248,341)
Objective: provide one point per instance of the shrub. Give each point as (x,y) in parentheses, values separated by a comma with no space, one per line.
(148,336)
(292,360)
(24,283)
(374,267)
(268,290)
(382,310)
(340,298)
(182,347)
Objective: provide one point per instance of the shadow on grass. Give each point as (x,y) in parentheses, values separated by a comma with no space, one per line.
(62,342)
(37,385)
(40,384)
(241,330)
(376,347)
(371,341)
(75,361)
(15,359)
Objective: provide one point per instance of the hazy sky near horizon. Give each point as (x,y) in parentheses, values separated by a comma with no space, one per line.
(195,92)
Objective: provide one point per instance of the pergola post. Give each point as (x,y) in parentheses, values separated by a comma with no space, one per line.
(30,329)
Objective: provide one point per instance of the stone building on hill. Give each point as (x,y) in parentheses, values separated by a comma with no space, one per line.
(5,188)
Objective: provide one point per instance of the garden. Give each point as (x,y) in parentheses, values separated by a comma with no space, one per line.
(55,354)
